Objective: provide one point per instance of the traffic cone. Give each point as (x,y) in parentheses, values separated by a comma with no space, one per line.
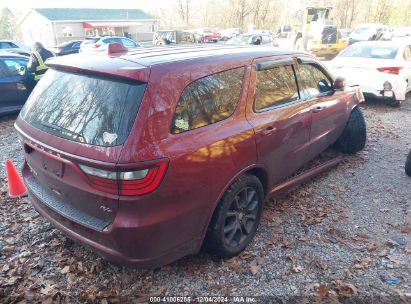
(16,184)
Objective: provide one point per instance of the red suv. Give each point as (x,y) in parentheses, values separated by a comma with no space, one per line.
(148,155)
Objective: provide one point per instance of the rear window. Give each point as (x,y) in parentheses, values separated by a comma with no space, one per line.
(370,51)
(90,40)
(84,108)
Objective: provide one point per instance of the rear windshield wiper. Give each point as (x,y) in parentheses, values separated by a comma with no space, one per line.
(63,130)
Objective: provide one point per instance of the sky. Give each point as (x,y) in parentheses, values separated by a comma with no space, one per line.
(142,4)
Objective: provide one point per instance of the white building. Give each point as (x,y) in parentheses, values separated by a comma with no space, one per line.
(52,26)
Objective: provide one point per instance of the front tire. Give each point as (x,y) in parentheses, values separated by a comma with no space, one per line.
(395,103)
(236,218)
(408,164)
(354,135)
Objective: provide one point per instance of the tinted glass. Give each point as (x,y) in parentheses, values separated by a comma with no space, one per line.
(83,108)
(208,100)
(14,66)
(128,42)
(370,51)
(313,80)
(276,86)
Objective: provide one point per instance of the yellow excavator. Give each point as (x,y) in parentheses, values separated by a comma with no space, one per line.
(317,33)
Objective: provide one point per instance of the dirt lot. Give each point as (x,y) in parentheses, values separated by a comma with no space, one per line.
(346,234)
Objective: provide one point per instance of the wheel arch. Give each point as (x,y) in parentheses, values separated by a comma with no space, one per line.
(257,170)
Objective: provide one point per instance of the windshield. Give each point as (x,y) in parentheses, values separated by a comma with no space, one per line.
(83,108)
(363,30)
(370,51)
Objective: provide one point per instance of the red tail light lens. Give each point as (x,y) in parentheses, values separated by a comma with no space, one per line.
(127,180)
(97,45)
(390,70)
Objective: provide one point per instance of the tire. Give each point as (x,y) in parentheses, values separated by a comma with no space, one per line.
(395,103)
(408,164)
(236,217)
(354,134)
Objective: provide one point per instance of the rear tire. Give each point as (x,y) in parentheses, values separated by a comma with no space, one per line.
(354,135)
(408,164)
(236,218)
(395,103)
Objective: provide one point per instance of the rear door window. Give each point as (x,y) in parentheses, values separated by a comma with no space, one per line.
(208,100)
(82,108)
(313,81)
(275,87)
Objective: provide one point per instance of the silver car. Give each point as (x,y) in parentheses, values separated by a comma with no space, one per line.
(99,44)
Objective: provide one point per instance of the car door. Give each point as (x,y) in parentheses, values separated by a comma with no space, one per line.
(15,87)
(281,120)
(328,112)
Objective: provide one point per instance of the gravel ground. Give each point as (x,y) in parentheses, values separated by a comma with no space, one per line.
(346,233)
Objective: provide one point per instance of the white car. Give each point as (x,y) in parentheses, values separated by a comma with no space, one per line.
(99,44)
(12,46)
(381,68)
(370,31)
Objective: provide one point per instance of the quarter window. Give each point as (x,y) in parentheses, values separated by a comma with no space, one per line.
(275,87)
(313,80)
(208,100)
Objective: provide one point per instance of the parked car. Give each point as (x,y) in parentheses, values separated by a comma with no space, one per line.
(284,31)
(12,46)
(381,68)
(254,39)
(230,33)
(99,44)
(408,164)
(16,82)
(66,48)
(370,31)
(175,149)
(167,37)
(206,35)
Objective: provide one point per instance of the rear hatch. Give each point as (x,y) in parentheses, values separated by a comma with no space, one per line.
(73,128)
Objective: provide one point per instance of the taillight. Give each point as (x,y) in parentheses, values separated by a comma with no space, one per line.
(390,70)
(126,180)
(97,45)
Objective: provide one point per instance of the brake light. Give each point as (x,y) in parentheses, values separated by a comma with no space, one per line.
(97,45)
(126,180)
(390,70)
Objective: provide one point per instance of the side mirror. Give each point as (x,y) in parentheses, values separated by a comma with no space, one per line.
(21,70)
(339,84)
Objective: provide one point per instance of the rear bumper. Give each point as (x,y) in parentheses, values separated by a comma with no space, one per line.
(120,242)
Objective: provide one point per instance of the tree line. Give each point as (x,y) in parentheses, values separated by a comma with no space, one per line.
(269,14)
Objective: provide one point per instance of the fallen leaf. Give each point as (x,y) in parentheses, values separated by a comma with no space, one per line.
(405,229)
(65,270)
(8,249)
(254,269)
(322,290)
(372,246)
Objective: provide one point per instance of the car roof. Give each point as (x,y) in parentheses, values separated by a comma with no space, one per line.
(5,54)
(149,56)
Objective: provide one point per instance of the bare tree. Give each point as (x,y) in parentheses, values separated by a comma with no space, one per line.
(183,8)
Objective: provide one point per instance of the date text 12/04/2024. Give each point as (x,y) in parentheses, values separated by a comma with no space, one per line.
(203,299)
